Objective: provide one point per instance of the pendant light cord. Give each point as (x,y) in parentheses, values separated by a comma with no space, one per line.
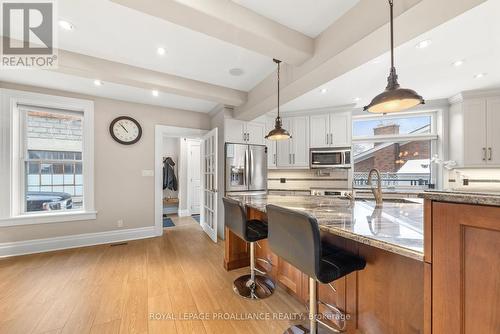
(278,74)
(391,4)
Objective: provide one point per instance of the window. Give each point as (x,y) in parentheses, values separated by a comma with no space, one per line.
(400,147)
(53,160)
(50,145)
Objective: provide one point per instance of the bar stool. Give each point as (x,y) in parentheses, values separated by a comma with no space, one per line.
(295,237)
(249,286)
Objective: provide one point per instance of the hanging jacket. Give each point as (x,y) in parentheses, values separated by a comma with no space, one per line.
(169,178)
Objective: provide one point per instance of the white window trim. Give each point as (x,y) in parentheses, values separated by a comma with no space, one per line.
(10,155)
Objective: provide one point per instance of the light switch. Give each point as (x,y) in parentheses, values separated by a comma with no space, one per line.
(148,172)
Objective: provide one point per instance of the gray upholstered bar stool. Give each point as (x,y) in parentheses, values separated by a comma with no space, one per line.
(249,286)
(295,237)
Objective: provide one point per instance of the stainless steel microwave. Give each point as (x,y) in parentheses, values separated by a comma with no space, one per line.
(330,157)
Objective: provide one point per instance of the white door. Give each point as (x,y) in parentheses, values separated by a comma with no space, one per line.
(493,132)
(256,133)
(340,129)
(208,218)
(194,179)
(271,145)
(319,130)
(300,141)
(475,150)
(234,131)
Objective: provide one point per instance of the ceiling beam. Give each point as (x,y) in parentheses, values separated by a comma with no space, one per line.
(356,38)
(232,23)
(118,73)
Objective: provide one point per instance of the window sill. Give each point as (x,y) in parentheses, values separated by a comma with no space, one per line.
(47,218)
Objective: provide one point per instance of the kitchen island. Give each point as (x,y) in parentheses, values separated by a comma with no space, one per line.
(432,264)
(388,295)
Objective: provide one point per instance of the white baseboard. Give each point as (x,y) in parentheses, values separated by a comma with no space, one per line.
(8,249)
(184,213)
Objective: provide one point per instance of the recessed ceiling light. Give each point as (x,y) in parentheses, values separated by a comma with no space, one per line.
(356,99)
(458,63)
(155,93)
(479,75)
(97,82)
(377,60)
(323,90)
(423,44)
(161,51)
(66,25)
(236,71)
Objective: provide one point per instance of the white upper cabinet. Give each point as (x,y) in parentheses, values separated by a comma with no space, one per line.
(493,130)
(240,132)
(234,131)
(271,145)
(474,134)
(340,129)
(320,130)
(330,130)
(475,148)
(294,152)
(299,127)
(256,133)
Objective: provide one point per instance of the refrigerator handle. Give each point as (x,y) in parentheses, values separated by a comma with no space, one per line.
(246,166)
(250,160)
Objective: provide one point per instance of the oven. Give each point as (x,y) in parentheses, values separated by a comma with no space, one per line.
(330,157)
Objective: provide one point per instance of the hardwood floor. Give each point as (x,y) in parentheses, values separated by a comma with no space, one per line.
(103,289)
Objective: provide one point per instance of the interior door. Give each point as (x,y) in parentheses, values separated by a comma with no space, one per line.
(208,217)
(194,176)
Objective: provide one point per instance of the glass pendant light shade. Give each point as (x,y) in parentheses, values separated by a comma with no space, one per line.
(278,133)
(394,98)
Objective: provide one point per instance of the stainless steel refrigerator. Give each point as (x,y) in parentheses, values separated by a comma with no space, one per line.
(246,168)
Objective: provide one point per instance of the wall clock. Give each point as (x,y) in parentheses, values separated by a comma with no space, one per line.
(125,130)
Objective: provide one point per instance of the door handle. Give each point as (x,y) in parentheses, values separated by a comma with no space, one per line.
(490,153)
(484,153)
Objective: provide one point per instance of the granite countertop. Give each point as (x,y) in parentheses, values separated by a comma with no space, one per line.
(395,227)
(453,196)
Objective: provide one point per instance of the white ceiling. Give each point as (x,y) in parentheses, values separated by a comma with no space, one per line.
(113,32)
(306,16)
(54,80)
(473,36)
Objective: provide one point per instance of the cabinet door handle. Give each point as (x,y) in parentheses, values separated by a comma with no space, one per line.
(331,138)
(294,158)
(484,153)
(490,153)
(274,158)
(327,139)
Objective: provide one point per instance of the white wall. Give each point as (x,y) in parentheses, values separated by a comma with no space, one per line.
(121,192)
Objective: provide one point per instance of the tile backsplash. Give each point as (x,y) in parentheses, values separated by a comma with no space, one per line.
(305,179)
(474,179)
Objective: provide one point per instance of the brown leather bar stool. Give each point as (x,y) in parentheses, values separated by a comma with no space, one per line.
(249,286)
(295,237)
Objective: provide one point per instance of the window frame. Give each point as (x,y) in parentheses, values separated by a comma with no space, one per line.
(12,152)
(433,137)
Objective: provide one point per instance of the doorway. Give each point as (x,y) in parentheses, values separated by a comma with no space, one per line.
(190,156)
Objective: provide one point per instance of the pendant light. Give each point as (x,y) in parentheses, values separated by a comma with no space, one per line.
(278,133)
(394,98)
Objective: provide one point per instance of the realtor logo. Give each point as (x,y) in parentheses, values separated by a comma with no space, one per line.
(28,34)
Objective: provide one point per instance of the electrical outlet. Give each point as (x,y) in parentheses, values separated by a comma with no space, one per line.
(282,180)
(119,223)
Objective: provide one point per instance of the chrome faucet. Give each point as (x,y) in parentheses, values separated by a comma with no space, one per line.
(377,192)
